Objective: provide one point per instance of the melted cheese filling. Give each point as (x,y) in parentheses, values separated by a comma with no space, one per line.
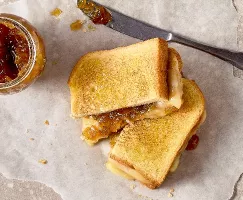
(130,173)
(120,170)
(175,87)
(175,164)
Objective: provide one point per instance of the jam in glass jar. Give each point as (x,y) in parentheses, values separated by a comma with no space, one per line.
(22,54)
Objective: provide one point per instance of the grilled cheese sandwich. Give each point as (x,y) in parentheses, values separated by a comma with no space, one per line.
(137,96)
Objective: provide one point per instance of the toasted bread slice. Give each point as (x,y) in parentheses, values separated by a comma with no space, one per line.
(148,149)
(93,130)
(107,80)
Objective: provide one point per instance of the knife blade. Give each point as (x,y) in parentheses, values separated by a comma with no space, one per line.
(136,28)
(143,31)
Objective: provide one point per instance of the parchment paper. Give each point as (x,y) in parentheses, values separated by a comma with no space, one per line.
(77,171)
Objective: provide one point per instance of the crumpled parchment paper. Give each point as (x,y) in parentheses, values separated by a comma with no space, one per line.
(77,171)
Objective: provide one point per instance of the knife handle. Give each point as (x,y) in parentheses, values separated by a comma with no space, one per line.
(235,58)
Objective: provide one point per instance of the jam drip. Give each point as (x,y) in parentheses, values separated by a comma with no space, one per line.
(193,142)
(14,53)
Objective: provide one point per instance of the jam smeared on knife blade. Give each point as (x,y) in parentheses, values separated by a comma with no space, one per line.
(98,14)
(14,53)
(193,142)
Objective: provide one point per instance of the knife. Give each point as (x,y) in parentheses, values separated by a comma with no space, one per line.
(143,31)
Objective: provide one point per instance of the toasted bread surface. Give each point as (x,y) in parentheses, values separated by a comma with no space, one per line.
(104,81)
(151,145)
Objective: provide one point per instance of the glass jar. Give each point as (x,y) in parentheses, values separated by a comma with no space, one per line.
(24,54)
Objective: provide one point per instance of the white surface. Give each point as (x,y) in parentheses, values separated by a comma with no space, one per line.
(77,171)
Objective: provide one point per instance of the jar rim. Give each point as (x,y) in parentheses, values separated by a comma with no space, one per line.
(32,49)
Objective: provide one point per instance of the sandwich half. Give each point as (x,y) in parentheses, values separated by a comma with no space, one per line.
(149,149)
(113,88)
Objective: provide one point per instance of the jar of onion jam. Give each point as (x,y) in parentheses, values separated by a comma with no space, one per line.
(22,54)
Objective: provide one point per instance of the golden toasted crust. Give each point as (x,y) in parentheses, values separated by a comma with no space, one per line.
(151,145)
(104,81)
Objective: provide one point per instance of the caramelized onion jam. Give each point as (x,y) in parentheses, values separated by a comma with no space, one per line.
(14,52)
(22,54)
(98,14)
(193,143)
(113,121)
